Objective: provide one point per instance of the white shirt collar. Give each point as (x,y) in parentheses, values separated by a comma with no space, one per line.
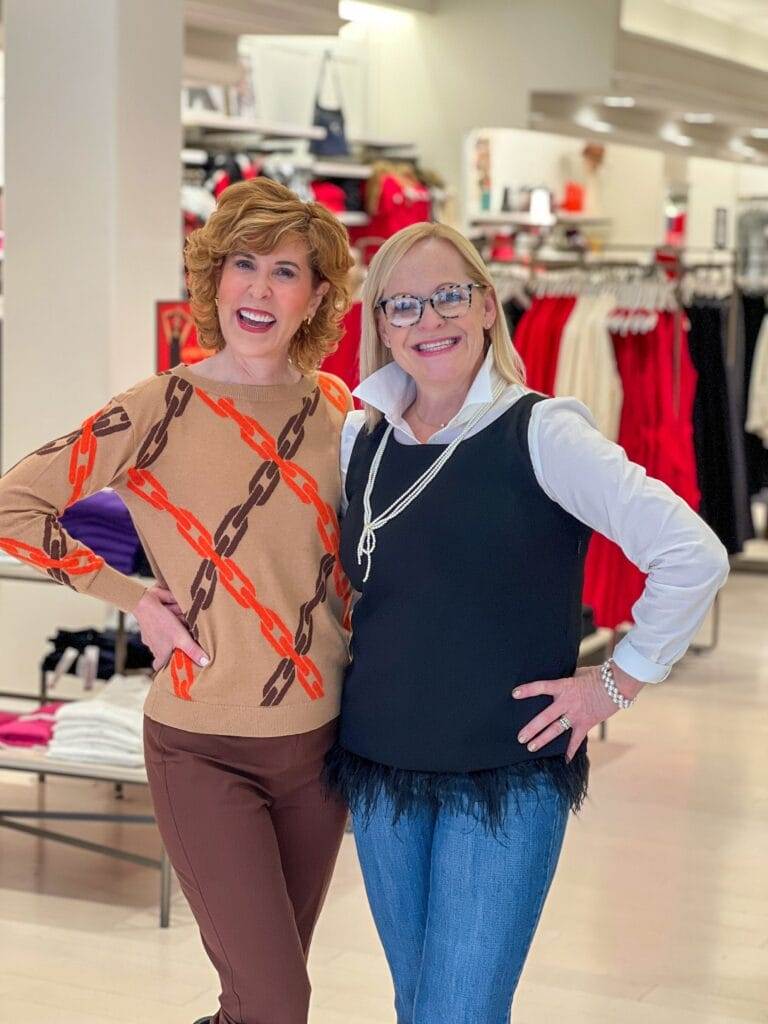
(391,390)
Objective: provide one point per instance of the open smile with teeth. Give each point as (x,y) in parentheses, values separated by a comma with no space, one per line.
(251,318)
(437,346)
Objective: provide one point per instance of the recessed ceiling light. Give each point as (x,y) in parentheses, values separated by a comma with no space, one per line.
(694,118)
(587,118)
(740,147)
(671,133)
(759,133)
(618,101)
(598,126)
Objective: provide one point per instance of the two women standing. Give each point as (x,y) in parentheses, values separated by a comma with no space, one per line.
(468,501)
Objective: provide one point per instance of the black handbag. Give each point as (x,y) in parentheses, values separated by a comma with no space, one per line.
(332,119)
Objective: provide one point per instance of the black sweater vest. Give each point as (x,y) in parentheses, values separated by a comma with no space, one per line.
(474,588)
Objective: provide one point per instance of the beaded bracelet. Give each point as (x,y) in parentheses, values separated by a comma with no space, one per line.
(606,674)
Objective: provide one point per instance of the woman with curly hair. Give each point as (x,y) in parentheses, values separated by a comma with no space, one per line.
(231,473)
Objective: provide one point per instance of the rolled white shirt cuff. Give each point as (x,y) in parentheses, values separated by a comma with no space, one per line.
(637,665)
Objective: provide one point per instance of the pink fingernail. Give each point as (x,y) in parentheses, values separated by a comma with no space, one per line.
(204,662)
(515,693)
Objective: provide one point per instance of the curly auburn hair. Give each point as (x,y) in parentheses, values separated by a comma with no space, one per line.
(257,216)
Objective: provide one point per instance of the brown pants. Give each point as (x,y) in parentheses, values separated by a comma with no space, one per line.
(253,839)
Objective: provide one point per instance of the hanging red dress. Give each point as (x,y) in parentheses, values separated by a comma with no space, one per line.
(538,338)
(345,361)
(656,431)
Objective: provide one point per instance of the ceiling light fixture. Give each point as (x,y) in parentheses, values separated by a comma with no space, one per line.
(740,147)
(587,118)
(759,133)
(618,101)
(671,133)
(694,118)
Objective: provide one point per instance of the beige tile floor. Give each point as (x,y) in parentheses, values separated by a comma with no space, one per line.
(658,915)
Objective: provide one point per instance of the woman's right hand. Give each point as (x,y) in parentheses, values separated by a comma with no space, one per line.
(163,629)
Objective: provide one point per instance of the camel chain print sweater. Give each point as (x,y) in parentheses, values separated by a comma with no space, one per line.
(234,491)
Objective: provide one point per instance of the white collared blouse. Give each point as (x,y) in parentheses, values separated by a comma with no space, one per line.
(592,479)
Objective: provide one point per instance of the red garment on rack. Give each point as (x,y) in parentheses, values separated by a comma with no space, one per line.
(656,431)
(401,203)
(345,361)
(538,337)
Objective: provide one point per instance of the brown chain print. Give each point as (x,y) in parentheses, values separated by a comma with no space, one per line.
(109,421)
(284,675)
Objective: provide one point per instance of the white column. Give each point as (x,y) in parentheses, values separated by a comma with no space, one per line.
(93,224)
(92,213)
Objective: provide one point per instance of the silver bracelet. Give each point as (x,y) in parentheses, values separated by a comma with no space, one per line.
(606,674)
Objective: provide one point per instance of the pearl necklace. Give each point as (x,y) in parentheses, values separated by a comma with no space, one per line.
(367,543)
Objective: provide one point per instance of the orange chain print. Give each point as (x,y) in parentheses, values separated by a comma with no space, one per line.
(79,562)
(333,391)
(297,479)
(83,457)
(232,577)
(182,674)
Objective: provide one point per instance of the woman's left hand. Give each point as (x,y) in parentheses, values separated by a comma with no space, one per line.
(581,698)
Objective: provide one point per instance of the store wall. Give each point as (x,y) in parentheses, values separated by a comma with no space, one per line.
(440,76)
(716,184)
(712,184)
(287,70)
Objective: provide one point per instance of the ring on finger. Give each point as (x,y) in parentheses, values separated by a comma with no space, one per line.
(565,721)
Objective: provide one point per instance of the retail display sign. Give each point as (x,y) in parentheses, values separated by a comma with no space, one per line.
(176,336)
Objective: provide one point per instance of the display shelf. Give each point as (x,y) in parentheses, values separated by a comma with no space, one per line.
(194,157)
(521,219)
(340,169)
(32,759)
(354,218)
(15,571)
(206,121)
(374,142)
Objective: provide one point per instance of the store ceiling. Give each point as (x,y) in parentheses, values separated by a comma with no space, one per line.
(256,17)
(667,122)
(668,96)
(748,14)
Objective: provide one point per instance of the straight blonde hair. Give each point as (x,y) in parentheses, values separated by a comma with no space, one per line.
(374,354)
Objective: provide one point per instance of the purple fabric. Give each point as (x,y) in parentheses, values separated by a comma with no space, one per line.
(103,523)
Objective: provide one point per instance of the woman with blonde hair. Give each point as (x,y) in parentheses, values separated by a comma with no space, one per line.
(230,472)
(462,744)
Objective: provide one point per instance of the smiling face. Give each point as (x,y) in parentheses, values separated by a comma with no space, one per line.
(263,299)
(437,350)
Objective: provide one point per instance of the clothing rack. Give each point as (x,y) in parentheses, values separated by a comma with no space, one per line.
(675,266)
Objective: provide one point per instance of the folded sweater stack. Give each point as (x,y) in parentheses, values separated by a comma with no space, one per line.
(105,729)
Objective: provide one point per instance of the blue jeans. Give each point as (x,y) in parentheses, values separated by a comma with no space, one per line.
(456,907)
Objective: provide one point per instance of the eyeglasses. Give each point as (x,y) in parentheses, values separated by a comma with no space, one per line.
(449,302)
